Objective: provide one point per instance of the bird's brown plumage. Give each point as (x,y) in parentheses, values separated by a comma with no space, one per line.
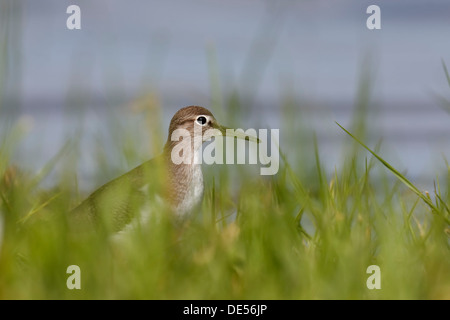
(116,203)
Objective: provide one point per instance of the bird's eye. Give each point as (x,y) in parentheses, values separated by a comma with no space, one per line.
(201,120)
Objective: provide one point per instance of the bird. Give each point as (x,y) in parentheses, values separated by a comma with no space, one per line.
(173,178)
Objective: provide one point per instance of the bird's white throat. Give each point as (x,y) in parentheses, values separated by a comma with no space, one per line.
(194,193)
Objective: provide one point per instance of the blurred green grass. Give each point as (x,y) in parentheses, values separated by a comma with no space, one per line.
(292,238)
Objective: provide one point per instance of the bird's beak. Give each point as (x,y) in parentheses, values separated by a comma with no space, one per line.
(240,134)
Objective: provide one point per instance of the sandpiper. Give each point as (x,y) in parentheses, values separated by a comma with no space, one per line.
(178,185)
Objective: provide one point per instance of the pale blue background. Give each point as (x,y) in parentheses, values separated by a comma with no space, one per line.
(313,49)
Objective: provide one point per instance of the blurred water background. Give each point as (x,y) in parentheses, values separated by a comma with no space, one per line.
(294,65)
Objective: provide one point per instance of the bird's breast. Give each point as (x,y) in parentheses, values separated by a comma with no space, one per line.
(194,193)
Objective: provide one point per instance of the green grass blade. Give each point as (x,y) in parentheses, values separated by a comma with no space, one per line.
(400,176)
(446,72)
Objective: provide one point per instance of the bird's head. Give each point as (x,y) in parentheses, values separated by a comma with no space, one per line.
(200,125)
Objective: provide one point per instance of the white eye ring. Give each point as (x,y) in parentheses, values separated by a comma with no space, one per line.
(201,120)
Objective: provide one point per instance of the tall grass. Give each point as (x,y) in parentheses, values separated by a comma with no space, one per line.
(291,238)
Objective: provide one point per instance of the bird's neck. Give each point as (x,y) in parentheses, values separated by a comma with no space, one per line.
(185,179)
(186,150)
